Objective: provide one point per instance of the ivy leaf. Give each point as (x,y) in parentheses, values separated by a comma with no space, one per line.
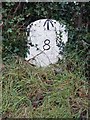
(16,49)
(9,30)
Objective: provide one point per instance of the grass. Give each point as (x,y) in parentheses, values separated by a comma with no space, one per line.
(30,92)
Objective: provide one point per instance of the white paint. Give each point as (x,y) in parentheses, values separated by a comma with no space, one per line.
(39,34)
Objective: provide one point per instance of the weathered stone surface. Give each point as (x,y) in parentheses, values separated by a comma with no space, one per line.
(44,41)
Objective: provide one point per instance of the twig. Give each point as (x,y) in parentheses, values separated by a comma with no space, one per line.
(17,7)
(35,56)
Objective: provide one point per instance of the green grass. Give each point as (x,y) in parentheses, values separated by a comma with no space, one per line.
(32,92)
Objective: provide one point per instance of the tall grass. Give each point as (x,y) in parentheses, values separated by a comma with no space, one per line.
(33,92)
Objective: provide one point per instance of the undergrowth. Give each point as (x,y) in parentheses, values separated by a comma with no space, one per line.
(31,92)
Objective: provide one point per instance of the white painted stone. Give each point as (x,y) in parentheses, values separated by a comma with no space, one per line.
(44,49)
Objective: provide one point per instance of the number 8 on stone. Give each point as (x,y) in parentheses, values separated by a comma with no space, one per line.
(46,45)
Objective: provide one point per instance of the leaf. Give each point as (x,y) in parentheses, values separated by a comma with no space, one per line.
(16,49)
(9,30)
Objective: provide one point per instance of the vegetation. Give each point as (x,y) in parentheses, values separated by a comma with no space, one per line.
(42,92)
(32,92)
